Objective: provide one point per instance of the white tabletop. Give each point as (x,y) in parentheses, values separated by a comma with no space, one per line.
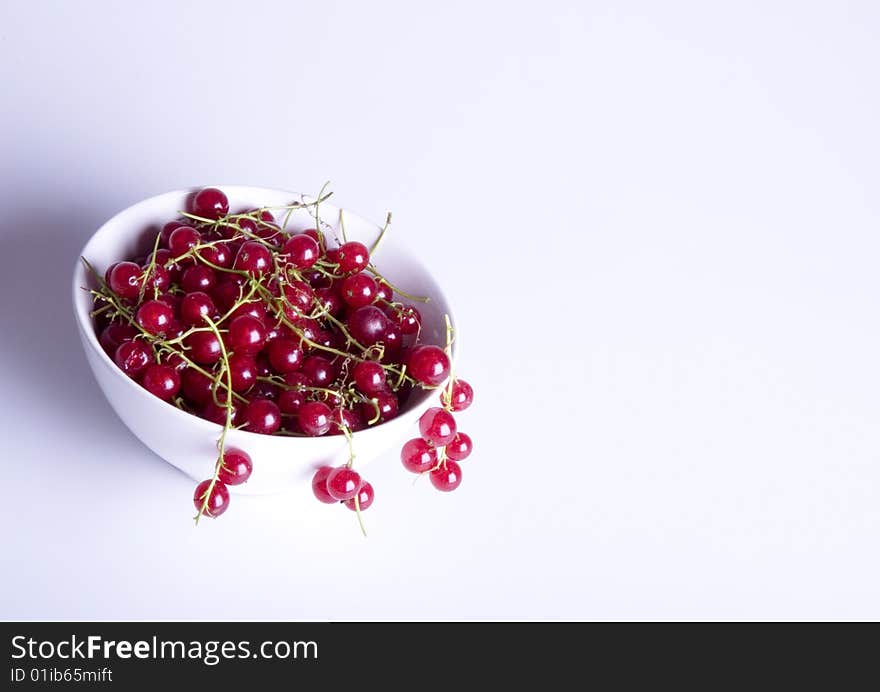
(660,225)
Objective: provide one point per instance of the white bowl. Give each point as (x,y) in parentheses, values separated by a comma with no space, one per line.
(189,442)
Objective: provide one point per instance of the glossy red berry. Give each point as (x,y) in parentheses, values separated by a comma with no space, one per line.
(195,307)
(437,426)
(162,381)
(462,396)
(182,239)
(210,203)
(418,456)
(364,497)
(114,334)
(358,289)
(237,467)
(211,502)
(382,404)
(459,447)
(253,257)
(428,364)
(247,334)
(302,251)
(262,416)
(319,485)
(384,291)
(367,325)
(343,483)
(198,278)
(447,477)
(195,386)
(243,371)
(353,257)
(319,371)
(167,230)
(409,320)
(284,355)
(155,316)
(124,279)
(133,357)
(314,418)
(369,377)
(204,347)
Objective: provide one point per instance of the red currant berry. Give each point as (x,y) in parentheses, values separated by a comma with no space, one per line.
(167,230)
(364,497)
(299,296)
(195,307)
(353,257)
(219,255)
(237,467)
(358,290)
(387,405)
(329,300)
(284,355)
(210,203)
(155,316)
(158,279)
(196,387)
(243,371)
(124,279)
(369,377)
(459,447)
(162,381)
(447,477)
(343,483)
(262,416)
(182,239)
(384,291)
(428,364)
(211,502)
(367,325)
(418,456)
(253,257)
(314,418)
(226,294)
(216,413)
(133,357)
(198,278)
(247,334)
(302,251)
(319,485)
(409,320)
(290,401)
(114,334)
(437,426)
(462,396)
(204,347)
(319,371)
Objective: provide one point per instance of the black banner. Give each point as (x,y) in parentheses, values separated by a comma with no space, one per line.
(52,655)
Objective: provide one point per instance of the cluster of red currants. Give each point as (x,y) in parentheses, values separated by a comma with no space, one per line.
(441,446)
(233,318)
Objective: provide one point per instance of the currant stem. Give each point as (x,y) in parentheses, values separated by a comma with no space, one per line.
(221,443)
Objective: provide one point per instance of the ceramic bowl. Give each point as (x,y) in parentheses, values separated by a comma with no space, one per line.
(189,442)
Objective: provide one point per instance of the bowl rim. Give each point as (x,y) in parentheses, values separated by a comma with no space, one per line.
(86,328)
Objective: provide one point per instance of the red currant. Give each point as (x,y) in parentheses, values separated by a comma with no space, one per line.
(319,485)
(124,279)
(195,307)
(210,203)
(247,334)
(236,468)
(369,377)
(353,257)
(418,456)
(302,251)
(182,239)
(133,357)
(262,416)
(343,483)
(314,418)
(459,447)
(204,347)
(155,316)
(253,257)
(358,290)
(428,364)
(447,477)
(364,497)
(209,501)
(284,355)
(437,426)
(462,396)
(162,381)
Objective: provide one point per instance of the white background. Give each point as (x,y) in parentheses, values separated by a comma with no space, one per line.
(658,223)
